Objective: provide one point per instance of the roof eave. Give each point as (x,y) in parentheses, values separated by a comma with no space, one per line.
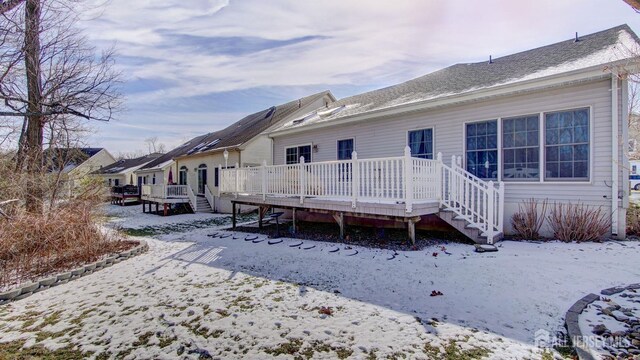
(594,72)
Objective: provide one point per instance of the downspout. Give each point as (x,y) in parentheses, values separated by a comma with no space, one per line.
(614,153)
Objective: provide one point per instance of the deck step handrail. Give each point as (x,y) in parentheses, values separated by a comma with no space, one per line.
(209,196)
(402,179)
(192,199)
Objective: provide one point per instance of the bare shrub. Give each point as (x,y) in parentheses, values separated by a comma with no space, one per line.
(579,222)
(34,245)
(527,222)
(633,220)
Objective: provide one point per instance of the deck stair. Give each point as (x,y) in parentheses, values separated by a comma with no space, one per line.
(202,205)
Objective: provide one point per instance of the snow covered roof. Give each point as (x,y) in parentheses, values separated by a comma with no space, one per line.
(239,132)
(67,159)
(604,47)
(124,165)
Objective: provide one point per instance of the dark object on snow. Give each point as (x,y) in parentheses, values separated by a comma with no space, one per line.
(258,241)
(214,235)
(485,248)
(273,242)
(296,244)
(276,215)
(334,250)
(224,236)
(436,293)
(354,253)
(392,257)
(309,247)
(250,238)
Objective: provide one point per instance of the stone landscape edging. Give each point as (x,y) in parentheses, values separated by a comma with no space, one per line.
(29,289)
(571,318)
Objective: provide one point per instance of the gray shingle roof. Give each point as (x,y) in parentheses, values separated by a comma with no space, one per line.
(594,49)
(125,164)
(239,132)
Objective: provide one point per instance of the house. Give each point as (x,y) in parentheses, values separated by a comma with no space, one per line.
(72,165)
(121,180)
(466,144)
(190,173)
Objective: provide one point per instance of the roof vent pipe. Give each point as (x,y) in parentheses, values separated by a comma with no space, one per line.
(577,39)
(490,60)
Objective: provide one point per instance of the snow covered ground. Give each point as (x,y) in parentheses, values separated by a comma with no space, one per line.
(195,296)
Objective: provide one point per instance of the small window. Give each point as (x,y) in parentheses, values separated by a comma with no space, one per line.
(521,148)
(345,149)
(634,169)
(182,175)
(293,154)
(216,177)
(116,182)
(482,149)
(421,143)
(567,145)
(153,180)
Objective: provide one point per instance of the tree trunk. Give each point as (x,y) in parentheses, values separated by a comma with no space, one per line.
(33,142)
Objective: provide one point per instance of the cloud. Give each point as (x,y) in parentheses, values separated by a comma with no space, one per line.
(195,57)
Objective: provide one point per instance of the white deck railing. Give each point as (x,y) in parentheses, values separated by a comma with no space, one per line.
(402,179)
(160,191)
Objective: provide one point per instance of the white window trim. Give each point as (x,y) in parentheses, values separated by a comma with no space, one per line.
(541,140)
(433,139)
(337,147)
(297,146)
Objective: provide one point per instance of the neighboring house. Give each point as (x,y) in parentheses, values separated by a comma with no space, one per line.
(542,124)
(74,164)
(120,177)
(194,166)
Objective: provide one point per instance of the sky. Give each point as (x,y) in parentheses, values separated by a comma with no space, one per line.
(195,66)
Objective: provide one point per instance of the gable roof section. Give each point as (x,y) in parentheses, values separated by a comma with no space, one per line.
(604,47)
(66,159)
(239,132)
(125,165)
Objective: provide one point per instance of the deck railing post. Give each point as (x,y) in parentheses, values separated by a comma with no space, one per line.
(501,207)
(490,211)
(408,179)
(439,181)
(237,172)
(221,181)
(355,179)
(301,179)
(264,179)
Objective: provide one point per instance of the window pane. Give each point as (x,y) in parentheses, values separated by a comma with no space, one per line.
(421,143)
(481,149)
(345,149)
(521,148)
(304,151)
(567,149)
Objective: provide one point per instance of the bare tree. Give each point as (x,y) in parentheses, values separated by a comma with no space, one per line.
(50,77)
(154,146)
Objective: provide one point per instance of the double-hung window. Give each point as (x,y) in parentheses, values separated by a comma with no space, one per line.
(345,148)
(521,148)
(421,143)
(567,145)
(293,154)
(482,149)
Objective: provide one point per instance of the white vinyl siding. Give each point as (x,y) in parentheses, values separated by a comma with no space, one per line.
(388,137)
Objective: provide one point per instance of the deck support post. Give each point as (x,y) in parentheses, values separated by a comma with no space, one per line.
(293,215)
(157,208)
(262,211)
(411,227)
(164,212)
(339,218)
(143,209)
(233,215)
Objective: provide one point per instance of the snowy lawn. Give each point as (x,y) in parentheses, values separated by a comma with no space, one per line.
(195,296)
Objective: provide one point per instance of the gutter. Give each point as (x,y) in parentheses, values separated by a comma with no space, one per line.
(581,75)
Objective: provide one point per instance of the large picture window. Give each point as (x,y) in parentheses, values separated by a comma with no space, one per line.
(421,143)
(521,148)
(293,154)
(482,149)
(567,145)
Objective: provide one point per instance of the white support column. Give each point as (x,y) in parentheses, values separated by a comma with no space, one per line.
(408,179)
(355,179)
(614,152)
(301,179)
(237,170)
(220,180)
(264,179)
